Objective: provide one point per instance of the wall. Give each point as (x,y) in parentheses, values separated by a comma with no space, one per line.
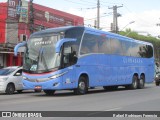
(50,17)
(3,16)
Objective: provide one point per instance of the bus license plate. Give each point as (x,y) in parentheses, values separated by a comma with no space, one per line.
(38,87)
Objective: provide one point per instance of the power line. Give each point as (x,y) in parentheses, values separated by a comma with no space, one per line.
(135,15)
(95,18)
(115,3)
(87,8)
(76,2)
(93,3)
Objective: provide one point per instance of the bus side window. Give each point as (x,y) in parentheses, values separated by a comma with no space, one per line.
(89,44)
(84,49)
(104,45)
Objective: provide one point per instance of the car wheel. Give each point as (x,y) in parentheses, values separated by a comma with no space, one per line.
(49,92)
(19,91)
(10,89)
(82,86)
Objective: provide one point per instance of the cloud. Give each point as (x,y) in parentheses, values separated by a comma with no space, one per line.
(145,22)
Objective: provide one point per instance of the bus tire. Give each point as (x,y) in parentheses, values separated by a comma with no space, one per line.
(134,84)
(141,82)
(49,92)
(10,89)
(157,83)
(82,86)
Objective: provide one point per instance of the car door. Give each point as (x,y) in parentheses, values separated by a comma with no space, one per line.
(17,77)
(69,60)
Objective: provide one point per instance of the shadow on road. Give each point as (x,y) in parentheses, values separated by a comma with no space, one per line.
(68,93)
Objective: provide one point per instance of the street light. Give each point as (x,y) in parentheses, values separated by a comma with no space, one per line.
(128,24)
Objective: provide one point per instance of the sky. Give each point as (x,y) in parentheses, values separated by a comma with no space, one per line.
(144,13)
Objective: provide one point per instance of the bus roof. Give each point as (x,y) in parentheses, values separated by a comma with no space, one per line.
(118,36)
(65,28)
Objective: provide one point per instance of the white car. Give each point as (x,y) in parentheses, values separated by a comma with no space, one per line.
(11,80)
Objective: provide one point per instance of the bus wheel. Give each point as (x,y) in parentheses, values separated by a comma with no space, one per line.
(134,84)
(49,92)
(10,89)
(82,86)
(141,82)
(157,83)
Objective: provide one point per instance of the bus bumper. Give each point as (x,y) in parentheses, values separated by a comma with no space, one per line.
(55,84)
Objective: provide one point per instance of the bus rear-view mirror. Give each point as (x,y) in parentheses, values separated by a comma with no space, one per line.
(67,50)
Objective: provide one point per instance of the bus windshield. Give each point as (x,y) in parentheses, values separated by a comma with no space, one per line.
(40,55)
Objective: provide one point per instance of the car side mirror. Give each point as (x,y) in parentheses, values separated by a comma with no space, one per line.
(17,74)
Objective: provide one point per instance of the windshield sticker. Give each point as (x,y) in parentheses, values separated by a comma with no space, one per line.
(33,68)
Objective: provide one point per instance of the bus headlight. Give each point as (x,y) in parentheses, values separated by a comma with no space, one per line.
(58,75)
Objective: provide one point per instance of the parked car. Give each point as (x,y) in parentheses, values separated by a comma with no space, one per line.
(157,79)
(11,80)
(157,74)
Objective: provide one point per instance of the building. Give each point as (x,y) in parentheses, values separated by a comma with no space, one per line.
(19,19)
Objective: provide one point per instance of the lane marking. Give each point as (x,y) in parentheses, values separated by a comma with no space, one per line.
(113,109)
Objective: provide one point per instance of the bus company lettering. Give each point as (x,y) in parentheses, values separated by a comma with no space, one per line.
(132,60)
(42,43)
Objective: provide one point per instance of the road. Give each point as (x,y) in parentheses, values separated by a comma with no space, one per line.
(147,99)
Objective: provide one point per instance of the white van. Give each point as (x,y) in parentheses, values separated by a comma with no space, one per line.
(11,80)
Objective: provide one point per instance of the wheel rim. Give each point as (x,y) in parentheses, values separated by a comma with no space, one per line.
(135,82)
(141,82)
(82,86)
(10,89)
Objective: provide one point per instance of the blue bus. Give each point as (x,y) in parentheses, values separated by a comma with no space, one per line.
(78,58)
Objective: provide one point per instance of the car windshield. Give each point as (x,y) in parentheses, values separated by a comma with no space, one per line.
(6,71)
(40,55)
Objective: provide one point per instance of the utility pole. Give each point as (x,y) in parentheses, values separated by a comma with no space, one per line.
(115,16)
(158,24)
(98,14)
(31,17)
